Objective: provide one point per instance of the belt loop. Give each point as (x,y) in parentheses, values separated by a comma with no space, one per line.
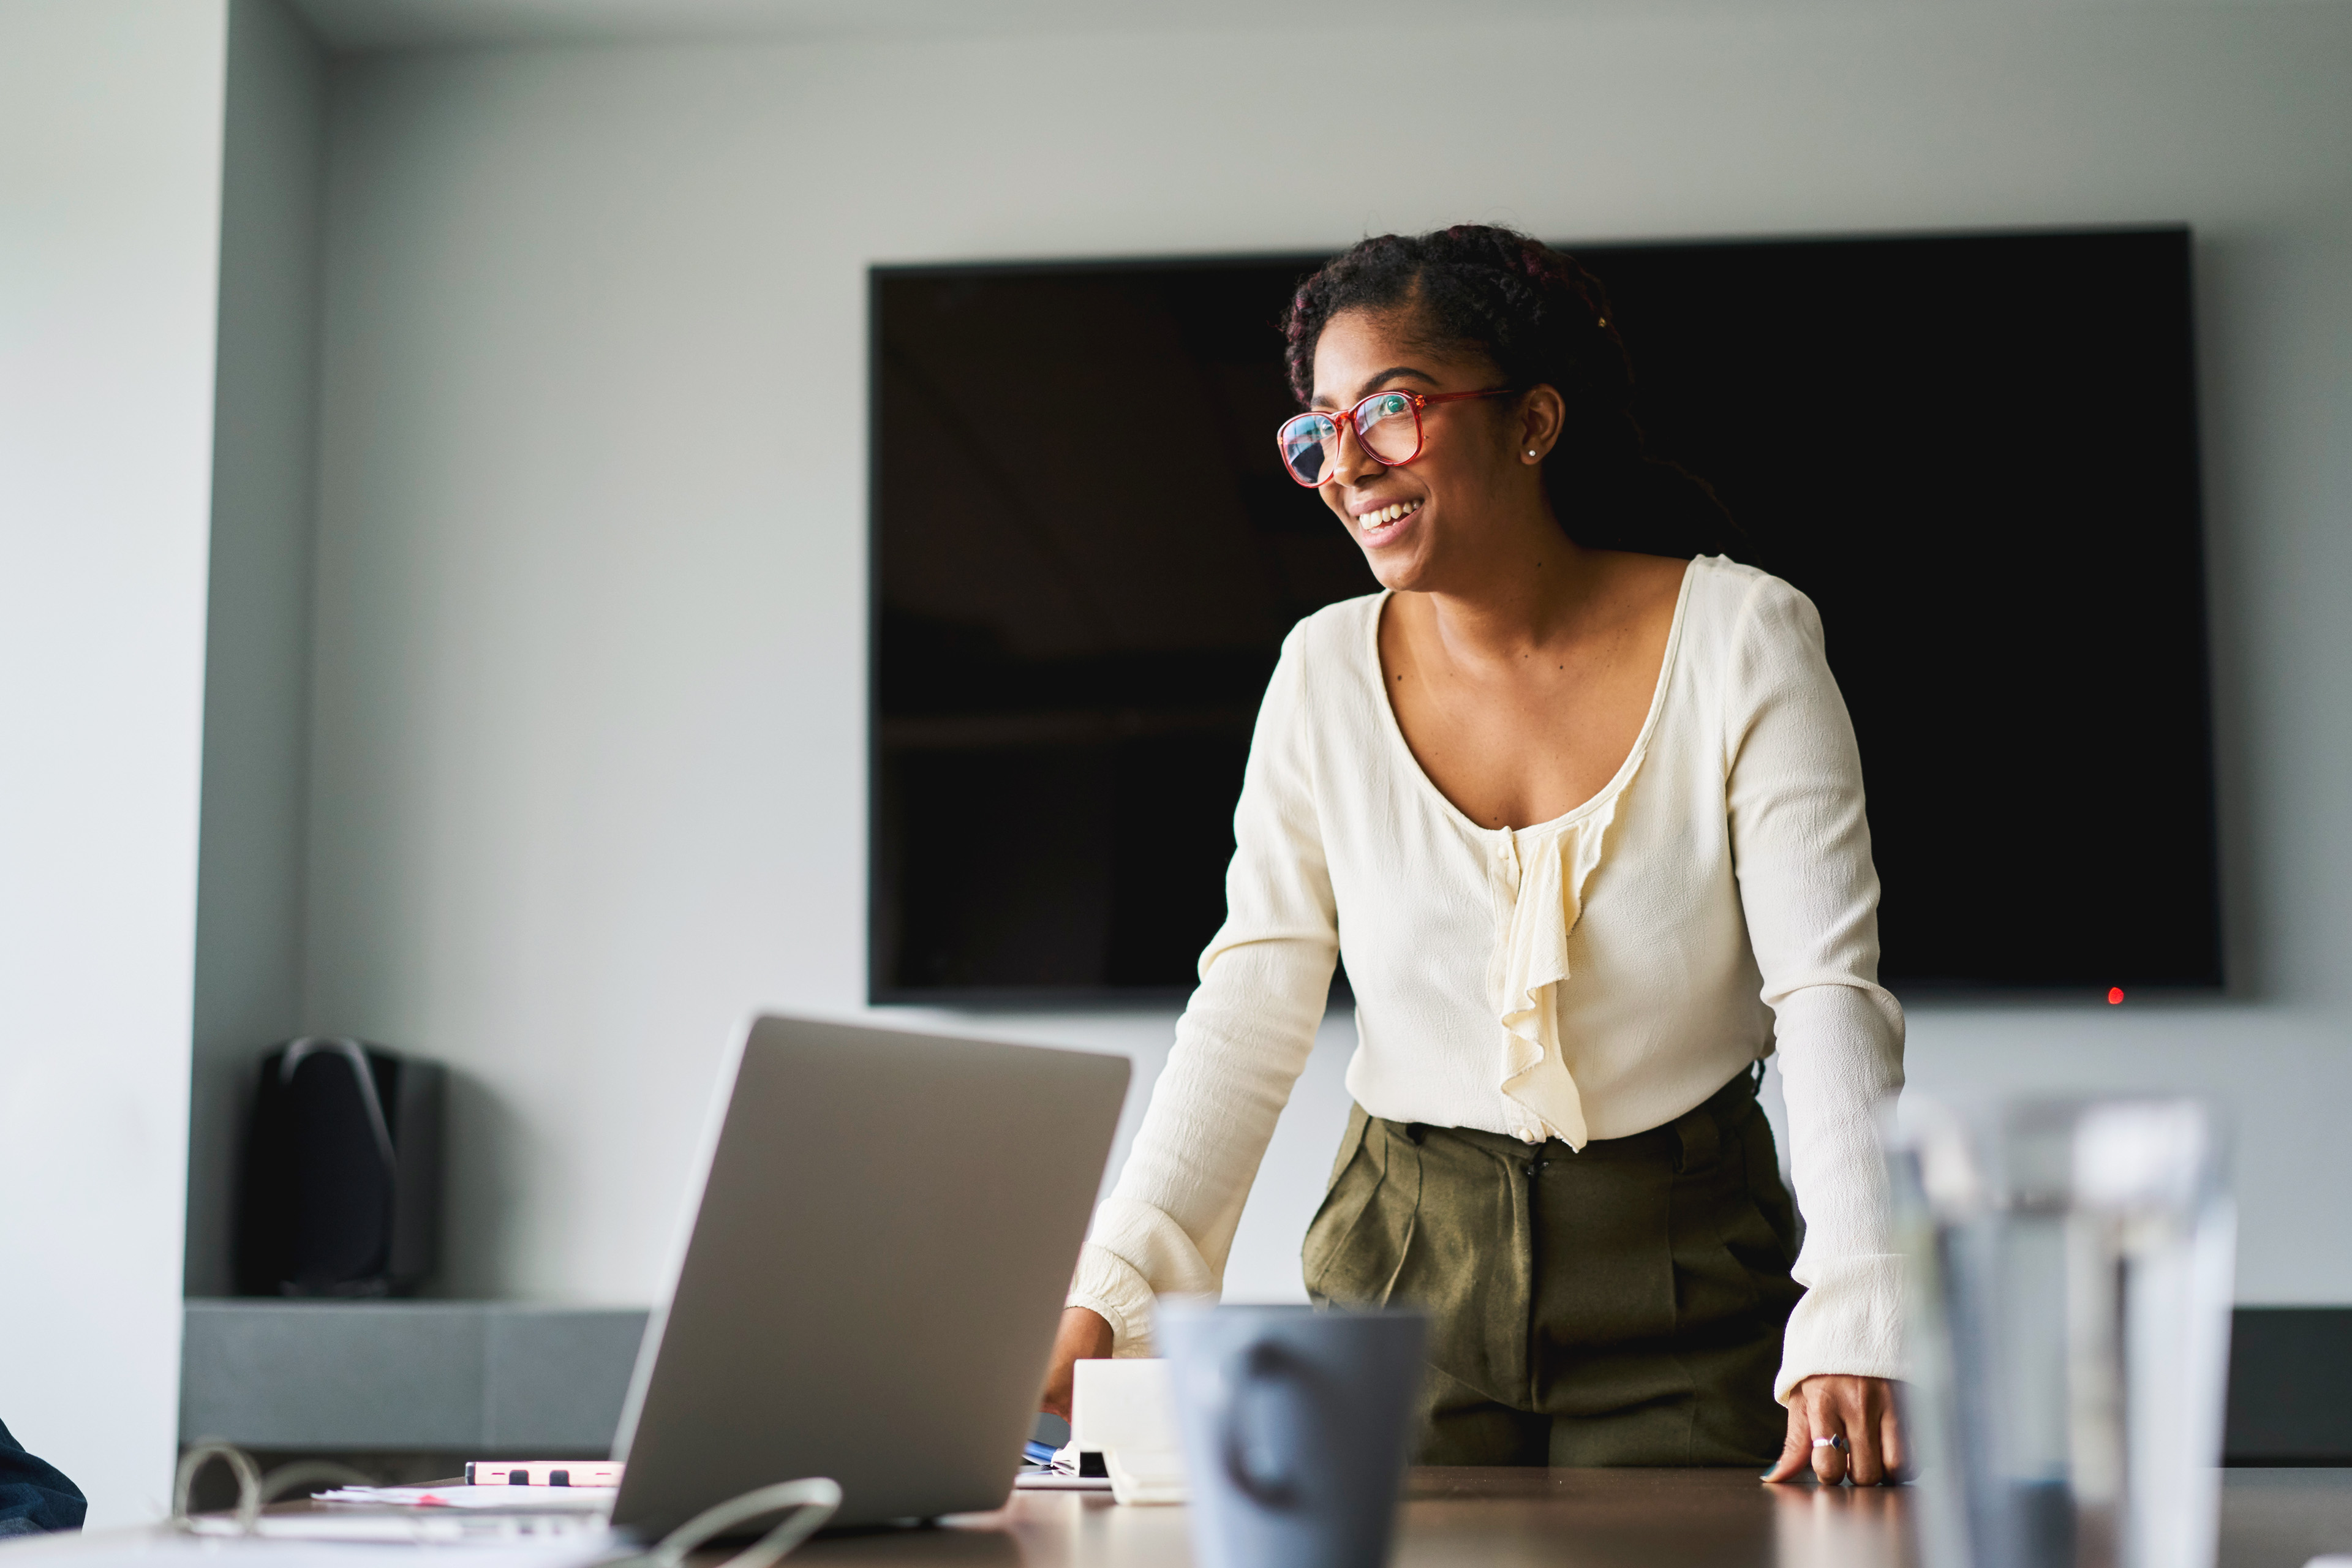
(1701,1142)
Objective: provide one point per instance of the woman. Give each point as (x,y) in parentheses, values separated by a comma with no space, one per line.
(1587,824)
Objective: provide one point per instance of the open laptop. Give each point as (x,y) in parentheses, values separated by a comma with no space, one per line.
(886,1233)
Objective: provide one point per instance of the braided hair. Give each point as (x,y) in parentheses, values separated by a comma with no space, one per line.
(1545,322)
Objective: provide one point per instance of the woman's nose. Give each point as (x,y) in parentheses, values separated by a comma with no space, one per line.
(1351,464)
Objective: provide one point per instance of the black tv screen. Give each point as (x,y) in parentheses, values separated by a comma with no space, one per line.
(1975,453)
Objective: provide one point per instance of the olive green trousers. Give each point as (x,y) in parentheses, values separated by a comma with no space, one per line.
(1624,1305)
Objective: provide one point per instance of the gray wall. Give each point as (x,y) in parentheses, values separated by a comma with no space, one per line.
(587,776)
(257,632)
(110,243)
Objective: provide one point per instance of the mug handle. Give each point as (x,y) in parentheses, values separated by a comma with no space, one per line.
(1262,1361)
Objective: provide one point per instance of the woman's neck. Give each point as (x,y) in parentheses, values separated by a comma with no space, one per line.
(1528,592)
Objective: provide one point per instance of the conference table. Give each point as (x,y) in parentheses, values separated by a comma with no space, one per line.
(1586,1519)
(1492,1519)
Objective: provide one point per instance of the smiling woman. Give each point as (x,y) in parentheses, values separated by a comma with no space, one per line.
(1581,806)
(1537,319)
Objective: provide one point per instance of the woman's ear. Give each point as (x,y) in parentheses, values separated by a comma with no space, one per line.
(1541,412)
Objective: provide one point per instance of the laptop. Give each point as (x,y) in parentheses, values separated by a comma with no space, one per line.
(886,1233)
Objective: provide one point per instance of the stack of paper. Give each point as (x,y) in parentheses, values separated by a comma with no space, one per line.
(512,1500)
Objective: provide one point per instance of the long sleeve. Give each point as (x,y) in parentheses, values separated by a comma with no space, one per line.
(1801,849)
(1240,1046)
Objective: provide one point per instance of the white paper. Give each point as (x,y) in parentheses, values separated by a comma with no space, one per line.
(1125,1410)
(1043,1480)
(480,1542)
(527,1499)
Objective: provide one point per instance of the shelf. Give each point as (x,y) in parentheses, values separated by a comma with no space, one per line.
(400,1375)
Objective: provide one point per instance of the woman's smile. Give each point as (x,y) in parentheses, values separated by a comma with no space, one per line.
(1380,524)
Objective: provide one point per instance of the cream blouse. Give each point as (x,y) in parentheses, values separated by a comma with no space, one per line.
(1592,976)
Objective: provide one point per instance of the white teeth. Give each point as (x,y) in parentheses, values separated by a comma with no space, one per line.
(1390,513)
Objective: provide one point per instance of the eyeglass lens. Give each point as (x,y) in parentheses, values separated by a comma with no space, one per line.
(1385,426)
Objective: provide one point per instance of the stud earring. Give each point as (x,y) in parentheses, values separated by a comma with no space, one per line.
(1532,452)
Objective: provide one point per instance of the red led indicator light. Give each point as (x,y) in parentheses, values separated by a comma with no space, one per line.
(2115,995)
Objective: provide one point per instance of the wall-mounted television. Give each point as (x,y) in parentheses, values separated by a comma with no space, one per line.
(1977,453)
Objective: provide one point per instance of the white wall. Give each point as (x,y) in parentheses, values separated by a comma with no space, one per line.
(587,768)
(248,974)
(110,204)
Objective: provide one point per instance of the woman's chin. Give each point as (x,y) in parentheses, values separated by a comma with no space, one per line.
(1398,568)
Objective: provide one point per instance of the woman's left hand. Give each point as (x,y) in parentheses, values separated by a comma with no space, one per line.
(1859,1410)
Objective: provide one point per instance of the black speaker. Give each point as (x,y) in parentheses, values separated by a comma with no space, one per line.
(342,1192)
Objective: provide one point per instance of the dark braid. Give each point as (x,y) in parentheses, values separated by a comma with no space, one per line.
(1545,322)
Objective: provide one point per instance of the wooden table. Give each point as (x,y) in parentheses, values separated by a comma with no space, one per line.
(1586,1519)
(1542,1519)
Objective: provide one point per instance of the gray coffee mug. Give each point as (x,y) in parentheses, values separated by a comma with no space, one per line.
(1296,1425)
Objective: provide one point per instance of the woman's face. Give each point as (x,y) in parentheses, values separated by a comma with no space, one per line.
(1460,493)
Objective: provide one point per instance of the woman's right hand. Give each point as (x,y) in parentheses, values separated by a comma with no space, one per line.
(1084,1336)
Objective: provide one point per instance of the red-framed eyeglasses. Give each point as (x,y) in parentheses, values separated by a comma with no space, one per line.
(1387,425)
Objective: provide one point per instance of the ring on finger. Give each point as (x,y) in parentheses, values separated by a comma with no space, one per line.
(1837,1442)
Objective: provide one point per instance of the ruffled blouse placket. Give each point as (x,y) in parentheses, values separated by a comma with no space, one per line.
(1538,875)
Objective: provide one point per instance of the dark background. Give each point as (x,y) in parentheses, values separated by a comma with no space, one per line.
(1977,454)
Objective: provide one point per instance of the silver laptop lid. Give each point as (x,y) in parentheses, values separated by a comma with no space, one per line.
(870,1290)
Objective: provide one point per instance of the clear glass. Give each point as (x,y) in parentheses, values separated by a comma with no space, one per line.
(1310,444)
(2071,1267)
(1389,427)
